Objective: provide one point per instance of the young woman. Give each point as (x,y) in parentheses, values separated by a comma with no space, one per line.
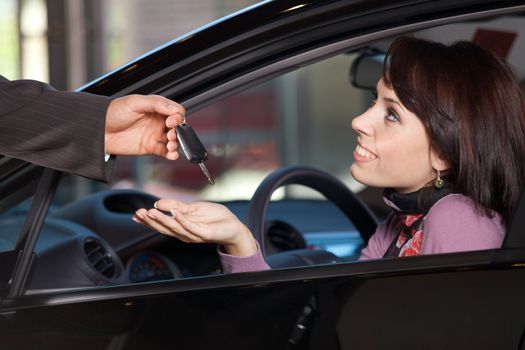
(446,138)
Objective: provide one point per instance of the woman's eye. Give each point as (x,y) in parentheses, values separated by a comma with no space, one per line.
(391,116)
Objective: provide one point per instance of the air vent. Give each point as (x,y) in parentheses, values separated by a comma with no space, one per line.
(100,258)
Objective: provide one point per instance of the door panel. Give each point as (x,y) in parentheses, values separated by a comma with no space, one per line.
(457,309)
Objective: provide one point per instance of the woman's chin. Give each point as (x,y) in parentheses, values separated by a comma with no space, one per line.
(358,175)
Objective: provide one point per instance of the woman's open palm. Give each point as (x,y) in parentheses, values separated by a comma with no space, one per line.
(199,222)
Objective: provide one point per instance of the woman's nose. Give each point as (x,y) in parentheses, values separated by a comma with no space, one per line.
(361,124)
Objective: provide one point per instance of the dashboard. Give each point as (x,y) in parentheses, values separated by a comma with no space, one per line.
(94,241)
(148,266)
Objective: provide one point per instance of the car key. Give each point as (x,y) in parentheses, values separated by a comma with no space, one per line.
(193,148)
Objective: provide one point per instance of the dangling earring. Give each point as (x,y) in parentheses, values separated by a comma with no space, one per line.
(438,182)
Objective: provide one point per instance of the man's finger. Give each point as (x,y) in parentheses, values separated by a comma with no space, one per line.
(158,149)
(174,120)
(157,104)
(172,146)
(171,134)
(172,156)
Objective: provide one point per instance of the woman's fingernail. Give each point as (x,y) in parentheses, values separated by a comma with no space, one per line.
(134,218)
(155,205)
(140,215)
(174,211)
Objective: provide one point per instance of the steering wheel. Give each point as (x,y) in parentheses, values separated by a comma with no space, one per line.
(329,186)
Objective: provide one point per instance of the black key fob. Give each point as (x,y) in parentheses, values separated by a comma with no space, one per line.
(193,148)
(191,144)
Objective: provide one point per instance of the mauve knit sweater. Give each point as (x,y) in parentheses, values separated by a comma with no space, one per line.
(453,224)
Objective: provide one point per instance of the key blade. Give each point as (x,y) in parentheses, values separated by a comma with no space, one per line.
(206,173)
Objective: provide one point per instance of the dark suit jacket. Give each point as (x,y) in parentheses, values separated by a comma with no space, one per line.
(54,129)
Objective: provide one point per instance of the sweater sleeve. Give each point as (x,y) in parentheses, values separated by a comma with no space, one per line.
(454,224)
(233,264)
(55,129)
(381,239)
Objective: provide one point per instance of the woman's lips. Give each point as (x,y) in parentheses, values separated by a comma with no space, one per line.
(361,154)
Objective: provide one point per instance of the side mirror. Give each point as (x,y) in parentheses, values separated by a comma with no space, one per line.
(367,68)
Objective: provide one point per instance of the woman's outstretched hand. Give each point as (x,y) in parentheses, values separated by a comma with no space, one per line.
(199,222)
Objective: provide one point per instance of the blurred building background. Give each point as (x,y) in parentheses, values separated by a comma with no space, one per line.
(70,42)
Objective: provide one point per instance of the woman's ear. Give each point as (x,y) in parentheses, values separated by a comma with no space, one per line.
(438,162)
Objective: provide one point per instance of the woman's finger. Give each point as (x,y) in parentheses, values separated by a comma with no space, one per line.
(137,219)
(195,228)
(142,214)
(171,226)
(167,204)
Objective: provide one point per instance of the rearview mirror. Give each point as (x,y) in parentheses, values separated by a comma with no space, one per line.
(367,68)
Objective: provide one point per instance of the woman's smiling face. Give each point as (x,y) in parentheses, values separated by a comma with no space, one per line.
(393,148)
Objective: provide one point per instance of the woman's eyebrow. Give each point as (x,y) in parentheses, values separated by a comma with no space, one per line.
(391,100)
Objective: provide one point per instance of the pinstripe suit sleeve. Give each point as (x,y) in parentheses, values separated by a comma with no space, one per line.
(54,129)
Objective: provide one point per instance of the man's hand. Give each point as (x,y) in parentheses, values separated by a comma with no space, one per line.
(141,125)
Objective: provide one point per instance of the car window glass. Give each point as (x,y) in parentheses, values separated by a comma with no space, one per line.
(302,117)
(18,184)
(11,222)
(17,187)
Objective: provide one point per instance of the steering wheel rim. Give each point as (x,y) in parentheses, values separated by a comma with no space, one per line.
(329,186)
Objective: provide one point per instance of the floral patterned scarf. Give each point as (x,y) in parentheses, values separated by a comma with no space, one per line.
(411,210)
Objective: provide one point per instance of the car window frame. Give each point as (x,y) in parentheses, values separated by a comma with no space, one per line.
(289,64)
(21,260)
(48,183)
(482,260)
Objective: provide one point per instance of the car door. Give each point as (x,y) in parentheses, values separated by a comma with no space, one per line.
(456,300)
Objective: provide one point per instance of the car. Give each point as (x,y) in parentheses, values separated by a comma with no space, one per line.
(270,90)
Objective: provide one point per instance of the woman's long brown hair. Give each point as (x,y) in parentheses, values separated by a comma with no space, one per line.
(474,113)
